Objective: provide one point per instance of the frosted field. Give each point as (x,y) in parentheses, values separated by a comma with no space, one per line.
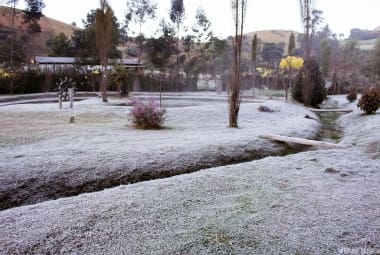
(314,202)
(43,156)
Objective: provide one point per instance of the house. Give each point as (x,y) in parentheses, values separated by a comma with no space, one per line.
(55,64)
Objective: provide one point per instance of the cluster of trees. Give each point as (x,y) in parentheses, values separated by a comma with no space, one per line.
(328,57)
(174,55)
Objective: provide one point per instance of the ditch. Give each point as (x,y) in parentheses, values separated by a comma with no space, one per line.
(32,191)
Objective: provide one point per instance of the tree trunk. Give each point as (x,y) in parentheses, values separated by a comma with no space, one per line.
(103,83)
(71,95)
(234,110)
(307,89)
(140,44)
(234,88)
(288,84)
(12,47)
(160,85)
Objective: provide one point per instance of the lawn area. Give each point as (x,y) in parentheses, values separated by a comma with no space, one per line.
(313,202)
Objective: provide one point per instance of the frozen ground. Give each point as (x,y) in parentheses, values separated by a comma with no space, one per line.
(43,156)
(315,202)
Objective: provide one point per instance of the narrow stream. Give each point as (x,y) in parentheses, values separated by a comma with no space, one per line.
(330,131)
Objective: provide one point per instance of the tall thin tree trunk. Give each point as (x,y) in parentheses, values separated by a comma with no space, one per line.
(103,82)
(12,47)
(235,88)
(307,89)
(176,75)
(140,44)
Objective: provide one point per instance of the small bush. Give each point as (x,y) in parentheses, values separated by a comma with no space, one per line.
(370,101)
(264,108)
(147,115)
(352,95)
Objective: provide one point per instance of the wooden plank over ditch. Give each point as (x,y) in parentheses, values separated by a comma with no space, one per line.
(331,110)
(288,139)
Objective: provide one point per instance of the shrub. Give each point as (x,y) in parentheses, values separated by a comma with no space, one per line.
(147,115)
(264,108)
(370,101)
(297,88)
(318,93)
(352,95)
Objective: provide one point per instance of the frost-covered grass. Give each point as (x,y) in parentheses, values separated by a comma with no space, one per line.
(315,202)
(43,156)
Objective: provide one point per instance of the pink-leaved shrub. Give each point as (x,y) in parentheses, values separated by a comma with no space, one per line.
(147,115)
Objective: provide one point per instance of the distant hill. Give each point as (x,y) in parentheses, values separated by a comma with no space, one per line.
(366,38)
(273,36)
(280,37)
(367,44)
(50,27)
(360,34)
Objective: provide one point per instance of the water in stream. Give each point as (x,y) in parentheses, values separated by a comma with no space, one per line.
(330,131)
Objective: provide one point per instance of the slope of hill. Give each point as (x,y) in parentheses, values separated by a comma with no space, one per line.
(273,36)
(49,28)
(48,25)
(367,44)
(265,36)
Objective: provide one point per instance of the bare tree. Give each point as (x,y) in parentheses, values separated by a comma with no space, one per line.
(161,49)
(306,7)
(239,10)
(138,12)
(103,26)
(177,15)
(13,4)
(254,58)
(31,16)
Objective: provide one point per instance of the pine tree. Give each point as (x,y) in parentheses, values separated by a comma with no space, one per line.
(292,44)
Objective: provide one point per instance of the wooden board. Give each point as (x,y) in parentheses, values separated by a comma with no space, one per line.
(288,139)
(331,110)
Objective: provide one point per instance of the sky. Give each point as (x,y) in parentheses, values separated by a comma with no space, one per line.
(341,15)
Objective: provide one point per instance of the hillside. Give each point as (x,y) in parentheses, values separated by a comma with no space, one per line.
(48,25)
(265,36)
(367,44)
(273,36)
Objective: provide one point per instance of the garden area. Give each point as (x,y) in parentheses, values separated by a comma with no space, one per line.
(96,185)
(153,133)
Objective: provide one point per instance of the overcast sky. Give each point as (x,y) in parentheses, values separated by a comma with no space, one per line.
(341,15)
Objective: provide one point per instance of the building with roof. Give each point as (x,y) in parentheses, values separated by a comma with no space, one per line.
(55,64)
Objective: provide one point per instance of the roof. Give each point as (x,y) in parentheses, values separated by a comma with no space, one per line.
(54,60)
(71,60)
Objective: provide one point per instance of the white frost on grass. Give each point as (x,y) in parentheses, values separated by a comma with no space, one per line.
(316,202)
(42,156)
